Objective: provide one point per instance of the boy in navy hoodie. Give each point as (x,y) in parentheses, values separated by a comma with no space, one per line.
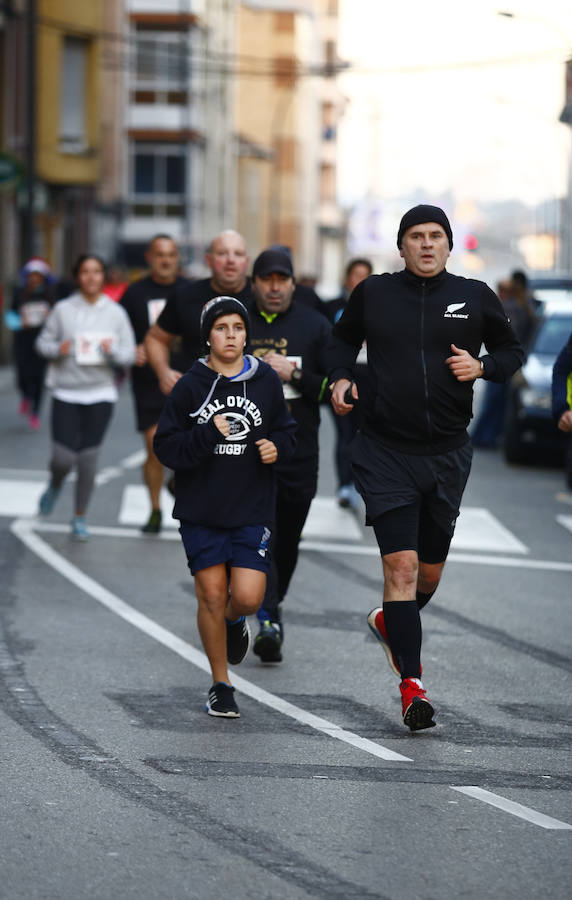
(223,426)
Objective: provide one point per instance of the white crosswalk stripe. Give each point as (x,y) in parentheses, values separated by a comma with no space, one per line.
(477,529)
(565,521)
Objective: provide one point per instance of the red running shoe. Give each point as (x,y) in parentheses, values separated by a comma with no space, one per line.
(417,711)
(376,623)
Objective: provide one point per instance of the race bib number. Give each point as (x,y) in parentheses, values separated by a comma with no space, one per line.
(291,392)
(154,310)
(88,350)
(35,313)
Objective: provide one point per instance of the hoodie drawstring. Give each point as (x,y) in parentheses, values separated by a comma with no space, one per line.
(208,397)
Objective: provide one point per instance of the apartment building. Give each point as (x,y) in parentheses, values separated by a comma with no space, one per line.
(286,114)
(178,154)
(52,131)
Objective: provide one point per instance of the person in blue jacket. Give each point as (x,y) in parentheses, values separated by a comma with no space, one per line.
(223,427)
(562,399)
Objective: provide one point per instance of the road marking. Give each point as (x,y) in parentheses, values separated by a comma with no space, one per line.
(20,498)
(24,530)
(42,474)
(515,809)
(479,559)
(134,460)
(479,529)
(319,547)
(135,507)
(128,462)
(566,521)
(325,519)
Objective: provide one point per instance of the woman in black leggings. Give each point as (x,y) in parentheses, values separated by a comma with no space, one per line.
(85,337)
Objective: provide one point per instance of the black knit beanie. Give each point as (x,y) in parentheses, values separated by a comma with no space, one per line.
(421,214)
(222,306)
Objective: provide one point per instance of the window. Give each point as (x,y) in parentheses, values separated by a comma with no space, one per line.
(161,66)
(158,179)
(73,98)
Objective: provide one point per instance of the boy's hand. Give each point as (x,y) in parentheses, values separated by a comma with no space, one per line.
(222,425)
(267,450)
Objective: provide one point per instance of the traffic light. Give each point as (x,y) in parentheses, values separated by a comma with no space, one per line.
(471,242)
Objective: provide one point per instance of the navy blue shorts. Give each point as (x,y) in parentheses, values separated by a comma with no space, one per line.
(247,547)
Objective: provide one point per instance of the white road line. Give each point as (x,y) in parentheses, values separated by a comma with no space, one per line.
(479,529)
(565,521)
(477,558)
(23,529)
(515,809)
(24,473)
(134,460)
(319,546)
(106,531)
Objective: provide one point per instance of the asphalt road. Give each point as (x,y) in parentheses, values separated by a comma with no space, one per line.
(115,784)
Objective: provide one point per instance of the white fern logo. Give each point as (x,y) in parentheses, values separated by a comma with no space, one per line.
(453,307)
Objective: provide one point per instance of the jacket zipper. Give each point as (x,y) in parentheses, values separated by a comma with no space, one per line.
(423,362)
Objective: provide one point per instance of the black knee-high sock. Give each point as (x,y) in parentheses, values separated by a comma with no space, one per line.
(403,624)
(423,599)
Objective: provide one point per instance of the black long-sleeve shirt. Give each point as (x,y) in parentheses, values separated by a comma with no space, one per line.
(409,323)
(302,334)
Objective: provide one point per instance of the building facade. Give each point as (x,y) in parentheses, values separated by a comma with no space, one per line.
(286,114)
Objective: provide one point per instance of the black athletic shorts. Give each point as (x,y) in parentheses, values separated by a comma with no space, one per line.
(149,403)
(412,501)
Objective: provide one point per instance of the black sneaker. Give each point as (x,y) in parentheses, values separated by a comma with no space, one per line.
(237,641)
(268,642)
(221,702)
(153,526)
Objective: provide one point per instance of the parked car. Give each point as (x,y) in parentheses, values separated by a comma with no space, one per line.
(551,283)
(530,431)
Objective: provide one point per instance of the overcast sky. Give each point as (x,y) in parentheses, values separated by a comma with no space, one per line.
(420,116)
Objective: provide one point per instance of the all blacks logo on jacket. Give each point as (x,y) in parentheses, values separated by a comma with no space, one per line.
(452,311)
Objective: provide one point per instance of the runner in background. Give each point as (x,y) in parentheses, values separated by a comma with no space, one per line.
(291,338)
(143,301)
(84,337)
(346,426)
(31,306)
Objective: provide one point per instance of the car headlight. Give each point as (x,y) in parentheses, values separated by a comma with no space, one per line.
(536,399)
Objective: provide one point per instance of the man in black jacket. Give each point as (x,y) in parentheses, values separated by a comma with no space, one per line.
(291,337)
(424,329)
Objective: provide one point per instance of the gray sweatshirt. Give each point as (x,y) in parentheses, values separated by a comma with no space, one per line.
(86,324)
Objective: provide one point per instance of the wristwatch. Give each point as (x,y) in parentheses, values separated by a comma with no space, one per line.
(296,376)
(482,368)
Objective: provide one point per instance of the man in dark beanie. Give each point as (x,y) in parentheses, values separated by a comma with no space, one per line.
(424,329)
(292,339)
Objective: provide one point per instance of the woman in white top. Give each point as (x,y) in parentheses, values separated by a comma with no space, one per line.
(85,337)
